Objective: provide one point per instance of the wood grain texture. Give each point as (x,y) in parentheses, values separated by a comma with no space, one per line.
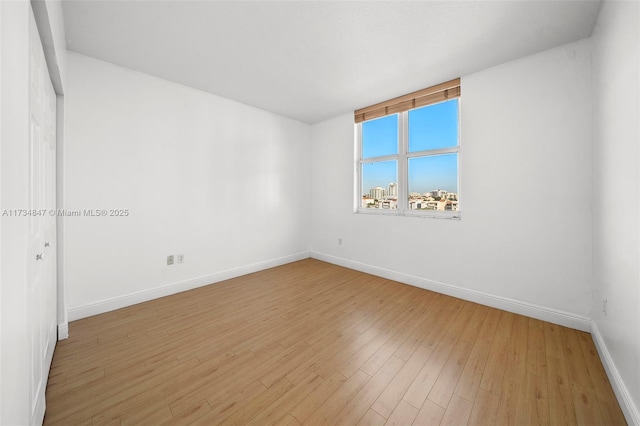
(310,343)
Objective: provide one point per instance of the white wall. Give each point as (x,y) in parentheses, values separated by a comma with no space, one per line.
(224,184)
(525,232)
(16,330)
(50,21)
(56,20)
(1,204)
(616,191)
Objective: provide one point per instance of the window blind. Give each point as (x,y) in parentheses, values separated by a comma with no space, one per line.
(431,95)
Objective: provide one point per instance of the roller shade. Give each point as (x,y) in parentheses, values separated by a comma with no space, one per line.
(431,95)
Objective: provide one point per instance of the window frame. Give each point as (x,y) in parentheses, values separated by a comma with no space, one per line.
(402,158)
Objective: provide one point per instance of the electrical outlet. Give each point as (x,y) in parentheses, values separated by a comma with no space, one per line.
(170,260)
(604,306)
(181,258)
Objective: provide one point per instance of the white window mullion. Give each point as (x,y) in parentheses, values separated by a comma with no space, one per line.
(433,152)
(358,168)
(379,159)
(403,192)
(460,197)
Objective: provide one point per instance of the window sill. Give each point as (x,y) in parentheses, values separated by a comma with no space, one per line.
(411,213)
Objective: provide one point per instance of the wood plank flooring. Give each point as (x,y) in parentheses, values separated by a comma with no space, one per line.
(312,343)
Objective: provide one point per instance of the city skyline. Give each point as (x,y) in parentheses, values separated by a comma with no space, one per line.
(387,198)
(391,191)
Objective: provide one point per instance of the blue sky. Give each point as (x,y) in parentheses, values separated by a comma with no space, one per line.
(432,127)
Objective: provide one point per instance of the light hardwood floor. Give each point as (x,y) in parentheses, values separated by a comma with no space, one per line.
(312,343)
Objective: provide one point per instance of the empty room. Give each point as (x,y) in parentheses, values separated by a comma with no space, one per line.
(319,212)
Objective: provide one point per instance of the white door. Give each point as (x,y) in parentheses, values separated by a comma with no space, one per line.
(42,225)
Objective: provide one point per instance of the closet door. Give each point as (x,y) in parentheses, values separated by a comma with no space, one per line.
(41,286)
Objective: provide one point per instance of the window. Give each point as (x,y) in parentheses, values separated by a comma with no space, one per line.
(408,154)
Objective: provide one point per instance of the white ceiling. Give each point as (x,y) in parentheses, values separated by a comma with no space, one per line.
(312,60)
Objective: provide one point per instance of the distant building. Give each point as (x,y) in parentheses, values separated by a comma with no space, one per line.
(393,190)
(417,204)
(446,205)
(438,193)
(367,201)
(389,203)
(377,193)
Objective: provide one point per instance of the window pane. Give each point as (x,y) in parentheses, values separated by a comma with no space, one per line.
(380,137)
(434,126)
(433,182)
(379,185)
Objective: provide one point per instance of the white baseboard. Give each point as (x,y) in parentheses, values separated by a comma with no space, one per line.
(566,319)
(83,311)
(630,410)
(63,331)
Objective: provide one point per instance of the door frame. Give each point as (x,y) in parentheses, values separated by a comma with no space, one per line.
(44,13)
